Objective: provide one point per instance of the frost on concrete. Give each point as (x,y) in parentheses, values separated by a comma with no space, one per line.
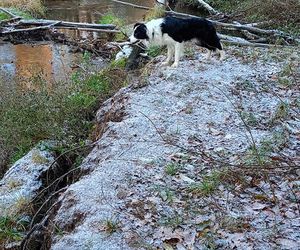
(22,181)
(200,107)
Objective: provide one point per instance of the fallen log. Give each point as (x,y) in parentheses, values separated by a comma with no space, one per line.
(68,24)
(132,5)
(29,29)
(8,12)
(9,21)
(209,8)
(252,28)
(89,29)
(243,42)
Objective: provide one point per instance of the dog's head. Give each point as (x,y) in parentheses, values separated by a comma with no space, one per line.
(139,33)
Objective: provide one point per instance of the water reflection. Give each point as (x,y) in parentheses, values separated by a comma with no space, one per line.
(91,11)
(25,63)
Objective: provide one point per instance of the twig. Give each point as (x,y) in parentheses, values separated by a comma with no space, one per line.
(38,226)
(245,124)
(9,13)
(30,29)
(68,24)
(23,245)
(209,8)
(11,20)
(242,42)
(89,29)
(64,175)
(132,5)
(44,203)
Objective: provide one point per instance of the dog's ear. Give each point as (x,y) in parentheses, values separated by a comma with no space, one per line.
(137,24)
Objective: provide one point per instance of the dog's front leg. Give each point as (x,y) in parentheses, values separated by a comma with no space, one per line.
(222,54)
(169,56)
(178,52)
(208,55)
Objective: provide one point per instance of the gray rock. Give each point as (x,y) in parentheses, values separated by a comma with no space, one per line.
(142,127)
(22,181)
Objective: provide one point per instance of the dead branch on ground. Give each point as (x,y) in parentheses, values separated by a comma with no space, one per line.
(18,25)
(209,8)
(254,36)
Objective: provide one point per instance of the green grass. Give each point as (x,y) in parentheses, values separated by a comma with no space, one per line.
(249,118)
(172,169)
(22,13)
(156,12)
(3,16)
(111,18)
(172,221)
(64,114)
(111,226)
(11,229)
(120,64)
(154,50)
(272,144)
(208,185)
(281,112)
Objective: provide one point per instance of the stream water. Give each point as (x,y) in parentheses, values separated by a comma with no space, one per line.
(53,62)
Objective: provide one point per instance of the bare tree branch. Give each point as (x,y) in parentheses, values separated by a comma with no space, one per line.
(132,5)
(209,8)
(8,12)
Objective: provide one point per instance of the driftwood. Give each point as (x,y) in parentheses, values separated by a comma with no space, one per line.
(89,29)
(8,21)
(132,5)
(18,25)
(242,42)
(29,29)
(209,8)
(250,31)
(68,24)
(8,12)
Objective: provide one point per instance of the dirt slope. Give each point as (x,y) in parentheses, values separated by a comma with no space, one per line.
(204,157)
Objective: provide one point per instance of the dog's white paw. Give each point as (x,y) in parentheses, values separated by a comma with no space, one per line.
(174,65)
(222,55)
(165,64)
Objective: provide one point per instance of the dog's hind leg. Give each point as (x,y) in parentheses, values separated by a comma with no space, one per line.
(222,54)
(178,53)
(208,55)
(169,56)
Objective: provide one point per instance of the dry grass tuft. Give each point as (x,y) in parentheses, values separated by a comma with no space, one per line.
(33,7)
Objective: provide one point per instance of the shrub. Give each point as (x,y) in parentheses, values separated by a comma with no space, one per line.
(63,113)
(111,18)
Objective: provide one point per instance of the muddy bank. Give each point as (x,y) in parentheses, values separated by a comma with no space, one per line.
(157,174)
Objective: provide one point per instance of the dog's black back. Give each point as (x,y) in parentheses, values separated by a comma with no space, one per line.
(182,30)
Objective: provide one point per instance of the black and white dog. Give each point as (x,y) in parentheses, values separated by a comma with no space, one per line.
(173,32)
